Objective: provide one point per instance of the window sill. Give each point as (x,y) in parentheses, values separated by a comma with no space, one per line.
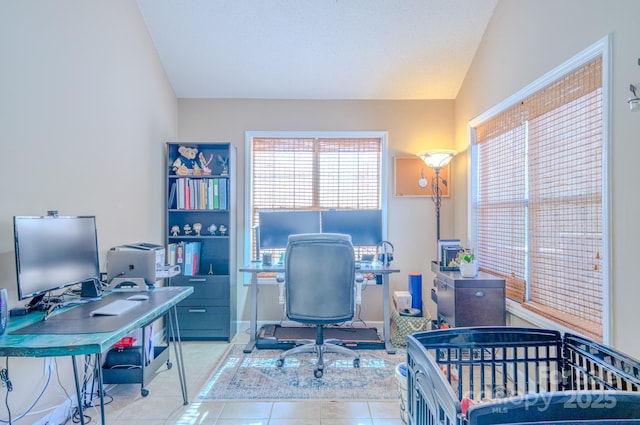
(516,309)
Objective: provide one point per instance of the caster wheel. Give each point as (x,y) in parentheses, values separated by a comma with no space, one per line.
(356,363)
(169,365)
(144,392)
(318,373)
(280,363)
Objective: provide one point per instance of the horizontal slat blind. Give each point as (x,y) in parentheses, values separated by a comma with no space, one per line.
(539,205)
(565,201)
(315,174)
(501,208)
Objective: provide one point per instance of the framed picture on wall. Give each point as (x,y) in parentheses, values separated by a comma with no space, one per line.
(408,172)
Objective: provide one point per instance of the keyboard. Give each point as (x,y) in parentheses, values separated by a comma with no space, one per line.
(115,308)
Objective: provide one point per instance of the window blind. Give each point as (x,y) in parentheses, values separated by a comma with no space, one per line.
(315,174)
(539,205)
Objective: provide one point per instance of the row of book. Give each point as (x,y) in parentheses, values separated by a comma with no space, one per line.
(199,194)
(186,255)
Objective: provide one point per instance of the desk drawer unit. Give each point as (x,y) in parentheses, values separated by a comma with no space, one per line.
(205,314)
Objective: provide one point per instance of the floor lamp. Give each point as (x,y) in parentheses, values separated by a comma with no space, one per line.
(436,160)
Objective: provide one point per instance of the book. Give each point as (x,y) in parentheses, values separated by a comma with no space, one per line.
(172,196)
(222,192)
(191,258)
(209,194)
(216,194)
(171,254)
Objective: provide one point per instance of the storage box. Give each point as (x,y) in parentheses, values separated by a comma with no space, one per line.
(402,299)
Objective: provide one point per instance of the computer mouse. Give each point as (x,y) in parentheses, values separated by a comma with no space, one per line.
(138,297)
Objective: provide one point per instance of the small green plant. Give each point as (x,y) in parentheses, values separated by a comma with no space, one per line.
(465,257)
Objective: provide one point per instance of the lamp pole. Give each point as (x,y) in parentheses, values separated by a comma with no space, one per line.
(436,190)
(436,159)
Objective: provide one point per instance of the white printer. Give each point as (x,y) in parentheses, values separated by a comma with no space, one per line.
(132,266)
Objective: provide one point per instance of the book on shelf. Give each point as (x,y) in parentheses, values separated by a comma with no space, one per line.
(223,194)
(191,258)
(200,194)
(216,194)
(172,196)
(171,254)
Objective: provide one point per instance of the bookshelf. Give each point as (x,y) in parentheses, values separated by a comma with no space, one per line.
(200,221)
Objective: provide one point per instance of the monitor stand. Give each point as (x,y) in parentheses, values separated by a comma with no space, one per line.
(128,284)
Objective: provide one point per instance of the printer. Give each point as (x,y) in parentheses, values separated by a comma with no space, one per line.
(137,266)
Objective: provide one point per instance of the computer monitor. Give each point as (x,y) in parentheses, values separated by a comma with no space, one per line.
(276,226)
(364,226)
(54,252)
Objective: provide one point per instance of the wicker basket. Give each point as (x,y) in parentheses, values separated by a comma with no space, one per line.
(403,326)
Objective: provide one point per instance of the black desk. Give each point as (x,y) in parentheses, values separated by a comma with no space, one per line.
(30,336)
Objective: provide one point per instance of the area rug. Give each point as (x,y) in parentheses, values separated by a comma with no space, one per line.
(255,376)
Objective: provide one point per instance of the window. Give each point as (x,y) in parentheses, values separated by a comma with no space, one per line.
(314,171)
(538,208)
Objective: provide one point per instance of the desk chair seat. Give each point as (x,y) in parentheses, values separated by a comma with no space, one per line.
(319,290)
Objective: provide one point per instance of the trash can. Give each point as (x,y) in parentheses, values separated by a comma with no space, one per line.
(401,378)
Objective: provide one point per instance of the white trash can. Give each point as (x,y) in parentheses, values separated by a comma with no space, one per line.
(401,378)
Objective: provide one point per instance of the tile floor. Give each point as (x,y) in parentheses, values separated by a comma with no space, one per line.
(163,405)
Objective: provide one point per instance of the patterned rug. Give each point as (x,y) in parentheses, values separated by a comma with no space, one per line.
(255,376)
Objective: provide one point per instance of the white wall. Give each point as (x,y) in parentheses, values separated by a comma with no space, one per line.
(84,108)
(524,40)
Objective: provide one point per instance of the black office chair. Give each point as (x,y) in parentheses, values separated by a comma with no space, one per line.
(319,290)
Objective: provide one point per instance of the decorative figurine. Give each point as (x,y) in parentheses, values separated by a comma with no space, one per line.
(175,230)
(186,163)
(212,229)
(187,229)
(197,227)
(223,230)
(205,164)
(225,167)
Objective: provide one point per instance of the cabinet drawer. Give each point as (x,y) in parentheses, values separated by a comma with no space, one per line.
(207,290)
(202,318)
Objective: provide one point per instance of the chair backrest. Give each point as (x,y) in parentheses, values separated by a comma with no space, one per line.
(319,278)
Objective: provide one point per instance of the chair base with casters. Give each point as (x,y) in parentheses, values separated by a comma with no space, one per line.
(320,346)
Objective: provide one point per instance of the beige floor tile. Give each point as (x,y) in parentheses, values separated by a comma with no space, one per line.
(298,421)
(246,409)
(344,410)
(296,410)
(255,421)
(387,421)
(384,409)
(354,421)
(198,413)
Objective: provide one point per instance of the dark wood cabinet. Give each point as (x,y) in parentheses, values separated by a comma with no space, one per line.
(463,302)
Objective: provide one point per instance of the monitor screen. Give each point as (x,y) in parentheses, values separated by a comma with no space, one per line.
(54,252)
(276,226)
(364,226)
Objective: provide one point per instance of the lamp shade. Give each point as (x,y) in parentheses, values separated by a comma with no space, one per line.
(438,158)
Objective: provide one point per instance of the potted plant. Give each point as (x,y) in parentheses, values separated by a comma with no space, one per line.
(467,264)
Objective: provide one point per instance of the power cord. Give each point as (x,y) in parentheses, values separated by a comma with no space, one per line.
(4,377)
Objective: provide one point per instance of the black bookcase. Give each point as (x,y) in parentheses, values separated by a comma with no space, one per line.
(201,208)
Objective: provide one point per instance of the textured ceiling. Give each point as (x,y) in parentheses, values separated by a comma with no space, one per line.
(316,49)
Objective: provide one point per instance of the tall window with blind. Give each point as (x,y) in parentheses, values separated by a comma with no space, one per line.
(313,174)
(538,204)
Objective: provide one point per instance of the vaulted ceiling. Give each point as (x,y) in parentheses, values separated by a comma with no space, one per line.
(316,49)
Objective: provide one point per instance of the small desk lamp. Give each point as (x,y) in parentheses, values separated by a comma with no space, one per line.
(436,159)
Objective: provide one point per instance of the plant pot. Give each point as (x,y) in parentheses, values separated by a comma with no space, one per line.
(468,269)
